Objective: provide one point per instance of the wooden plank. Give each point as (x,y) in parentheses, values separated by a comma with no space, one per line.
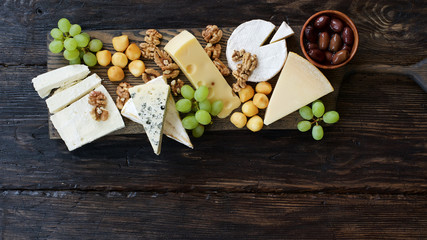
(55,61)
(135,215)
(377,147)
(380,25)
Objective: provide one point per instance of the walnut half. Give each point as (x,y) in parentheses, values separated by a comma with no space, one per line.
(149,74)
(99,113)
(122,94)
(99,101)
(245,69)
(153,37)
(176,86)
(221,67)
(212,34)
(213,51)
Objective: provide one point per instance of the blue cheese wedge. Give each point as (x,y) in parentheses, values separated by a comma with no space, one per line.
(172,127)
(150,102)
(61,99)
(76,126)
(45,82)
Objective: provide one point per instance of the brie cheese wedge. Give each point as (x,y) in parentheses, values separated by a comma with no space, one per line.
(172,126)
(60,100)
(150,101)
(76,126)
(45,82)
(283,32)
(250,36)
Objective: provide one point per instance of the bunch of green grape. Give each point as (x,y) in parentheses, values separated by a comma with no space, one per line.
(313,116)
(77,44)
(198,109)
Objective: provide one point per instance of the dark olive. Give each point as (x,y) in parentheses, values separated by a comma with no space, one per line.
(336,25)
(310,33)
(347,36)
(321,22)
(328,56)
(324,40)
(312,46)
(317,55)
(340,57)
(336,43)
(346,47)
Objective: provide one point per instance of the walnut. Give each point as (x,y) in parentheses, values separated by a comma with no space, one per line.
(238,55)
(153,37)
(221,67)
(147,50)
(164,61)
(244,70)
(176,86)
(97,98)
(212,34)
(149,74)
(99,113)
(122,94)
(213,51)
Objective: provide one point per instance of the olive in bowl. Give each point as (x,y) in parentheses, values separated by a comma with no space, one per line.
(329,39)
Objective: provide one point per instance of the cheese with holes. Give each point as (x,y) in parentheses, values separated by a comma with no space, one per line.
(299,84)
(76,126)
(283,32)
(150,103)
(60,100)
(251,36)
(187,52)
(45,82)
(172,126)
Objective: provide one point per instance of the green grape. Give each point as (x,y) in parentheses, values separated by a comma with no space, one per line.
(64,25)
(56,46)
(205,105)
(90,59)
(57,34)
(304,126)
(187,92)
(183,105)
(331,117)
(70,44)
(75,61)
(71,54)
(190,122)
(203,117)
(317,132)
(75,29)
(306,113)
(198,131)
(216,107)
(82,40)
(85,34)
(201,93)
(318,109)
(95,45)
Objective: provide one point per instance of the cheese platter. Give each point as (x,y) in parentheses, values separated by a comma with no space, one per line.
(55,61)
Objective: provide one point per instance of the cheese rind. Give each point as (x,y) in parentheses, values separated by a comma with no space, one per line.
(299,84)
(45,82)
(283,32)
(172,126)
(250,36)
(76,126)
(187,52)
(69,95)
(150,102)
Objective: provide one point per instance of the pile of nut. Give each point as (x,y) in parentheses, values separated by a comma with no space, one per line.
(250,108)
(99,101)
(329,40)
(212,35)
(244,69)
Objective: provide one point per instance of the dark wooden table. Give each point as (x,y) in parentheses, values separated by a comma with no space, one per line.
(367,179)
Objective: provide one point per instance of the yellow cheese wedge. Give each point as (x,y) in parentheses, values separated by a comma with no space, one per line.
(187,52)
(299,84)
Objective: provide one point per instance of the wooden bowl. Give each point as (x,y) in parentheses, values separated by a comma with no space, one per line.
(347,21)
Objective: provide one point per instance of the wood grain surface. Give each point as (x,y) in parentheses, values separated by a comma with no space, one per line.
(365,180)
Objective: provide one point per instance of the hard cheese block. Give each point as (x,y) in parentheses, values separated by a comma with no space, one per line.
(172,126)
(150,103)
(76,126)
(299,84)
(65,97)
(283,32)
(187,52)
(45,82)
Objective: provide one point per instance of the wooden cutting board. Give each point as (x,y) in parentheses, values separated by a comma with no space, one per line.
(137,36)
